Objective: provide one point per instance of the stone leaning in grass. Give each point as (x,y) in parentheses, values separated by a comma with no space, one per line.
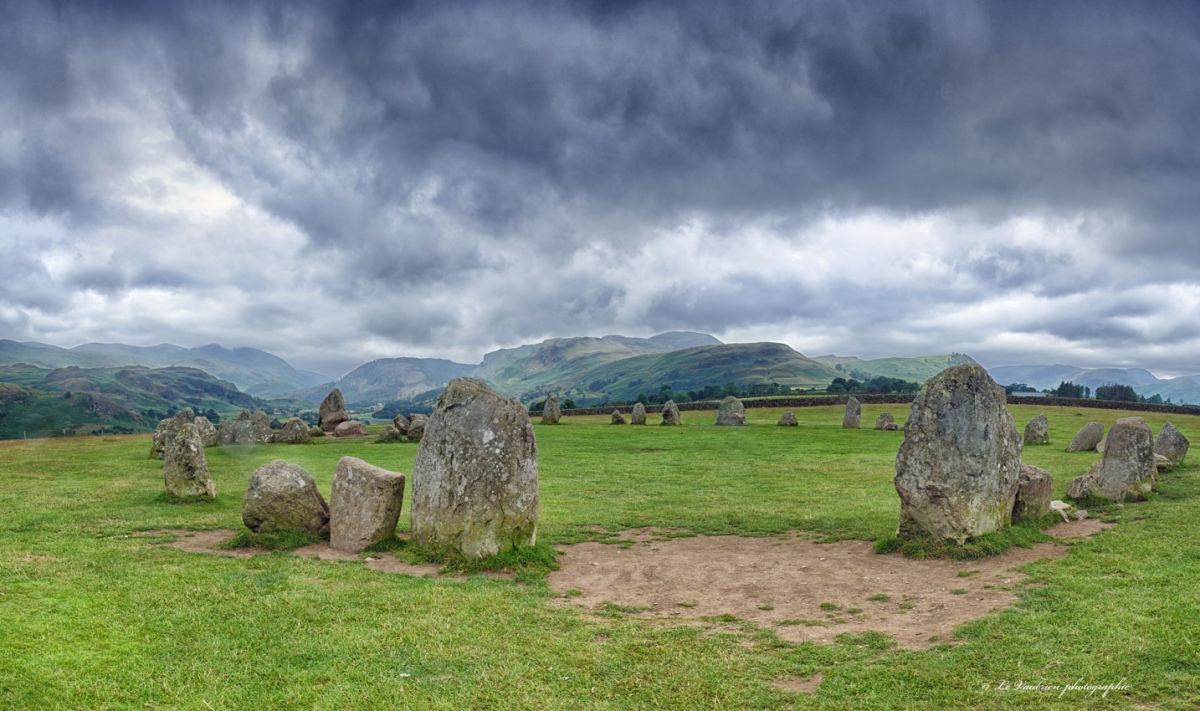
(1171,444)
(283,497)
(1087,438)
(364,505)
(1127,470)
(185,469)
(475,480)
(389,434)
(350,428)
(618,418)
(884,419)
(958,468)
(731,412)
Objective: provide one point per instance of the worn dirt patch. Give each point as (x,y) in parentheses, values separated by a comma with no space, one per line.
(207,542)
(800,685)
(803,590)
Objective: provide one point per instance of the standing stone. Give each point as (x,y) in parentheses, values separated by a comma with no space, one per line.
(731,412)
(1171,444)
(333,411)
(670,413)
(1101,444)
(364,505)
(638,415)
(1034,492)
(789,420)
(551,413)
(283,497)
(208,433)
(1127,470)
(294,431)
(401,423)
(1084,486)
(958,468)
(260,428)
(1038,431)
(1088,437)
(389,434)
(185,469)
(416,427)
(239,431)
(852,420)
(350,428)
(618,418)
(475,480)
(167,430)
(884,419)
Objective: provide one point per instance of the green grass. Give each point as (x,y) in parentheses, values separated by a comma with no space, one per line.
(94,615)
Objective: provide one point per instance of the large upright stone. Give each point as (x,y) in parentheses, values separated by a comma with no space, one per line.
(294,431)
(638,415)
(884,420)
(1127,470)
(283,497)
(670,413)
(185,468)
(959,465)
(364,505)
(1087,438)
(1171,444)
(618,418)
(1034,493)
(260,428)
(416,427)
(1037,431)
(475,480)
(167,430)
(788,419)
(551,412)
(332,411)
(731,412)
(208,433)
(852,419)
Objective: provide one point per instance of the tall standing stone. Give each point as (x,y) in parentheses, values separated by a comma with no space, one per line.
(551,413)
(185,469)
(475,480)
(1171,444)
(364,505)
(852,419)
(670,413)
(1127,470)
(884,420)
(332,411)
(1087,438)
(283,497)
(167,430)
(958,468)
(638,415)
(731,412)
(1037,431)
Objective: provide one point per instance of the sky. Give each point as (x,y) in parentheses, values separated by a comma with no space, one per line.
(336,182)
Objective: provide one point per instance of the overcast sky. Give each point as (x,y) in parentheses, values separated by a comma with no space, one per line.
(338,182)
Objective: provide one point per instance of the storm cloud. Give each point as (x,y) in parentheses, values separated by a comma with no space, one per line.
(341,181)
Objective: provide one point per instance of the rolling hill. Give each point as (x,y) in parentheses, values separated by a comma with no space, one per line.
(1181,390)
(916,370)
(389,379)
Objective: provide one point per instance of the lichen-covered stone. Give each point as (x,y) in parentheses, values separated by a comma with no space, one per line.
(283,497)
(185,468)
(1034,493)
(332,411)
(551,412)
(364,505)
(852,419)
(1084,486)
(884,419)
(618,418)
(1087,438)
(239,431)
(1037,431)
(670,413)
(260,428)
(788,419)
(350,428)
(731,412)
(475,480)
(401,423)
(389,434)
(416,427)
(1162,464)
(1127,470)
(167,430)
(637,416)
(294,431)
(1171,444)
(958,468)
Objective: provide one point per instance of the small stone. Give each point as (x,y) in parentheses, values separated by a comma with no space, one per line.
(731,412)
(788,419)
(350,428)
(283,497)
(1080,514)
(1084,486)
(416,427)
(852,419)
(884,419)
(1037,431)
(638,415)
(1171,444)
(389,434)
(618,418)
(1162,464)
(401,423)
(294,431)
(670,413)
(364,505)
(1087,438)
(1034,492)
(893,427)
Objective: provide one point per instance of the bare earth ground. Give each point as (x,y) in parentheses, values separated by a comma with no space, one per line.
(781,581)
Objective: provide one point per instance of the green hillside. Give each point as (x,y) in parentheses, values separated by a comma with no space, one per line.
(916,370)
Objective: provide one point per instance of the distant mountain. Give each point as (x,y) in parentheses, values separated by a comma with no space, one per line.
(256,372)
(1182,390)
(916,370)
(388,379)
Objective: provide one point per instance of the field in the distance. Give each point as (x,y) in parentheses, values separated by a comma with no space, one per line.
(94,615)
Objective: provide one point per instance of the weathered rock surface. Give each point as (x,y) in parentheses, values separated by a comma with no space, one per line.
(208,433)
(1088,437)
(239,431)
(283,497)
(618,418)
(788,419)
(551,412)
(893,427)
(637,415)
(1171,444)
(1162,464)
(416,427)
(332,411)
(350,428)
(958,468)
(1084,486)
(185,468)
(401,423)
(884,419)
(390,434)
(1034,493)
(1127,470)
(168,429)
(364,505)
(1038,431)
(852,419)
(1101,444)
(670,413)
(475,480)
(260,428)
(294,431)
(731,412)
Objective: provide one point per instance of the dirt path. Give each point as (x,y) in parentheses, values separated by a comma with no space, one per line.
(804,590)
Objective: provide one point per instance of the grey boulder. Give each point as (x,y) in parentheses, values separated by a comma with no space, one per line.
(1087,438)
(1037,431)
(294,431)
(283,497)
(551,412)
(1034,493)
(788,419)
(1171,444)
(670,413)
(1127,470)
(332,411)
(731,412)
(852,418)
(185,468)
(364,505)
(638,415)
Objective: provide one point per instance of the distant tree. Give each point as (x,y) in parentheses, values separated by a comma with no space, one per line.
(276,424)
(1068,389)
(1119,393)
(537,406)
(1018,388)
(567,404)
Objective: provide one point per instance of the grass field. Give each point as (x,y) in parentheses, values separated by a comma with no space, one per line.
(93,615)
